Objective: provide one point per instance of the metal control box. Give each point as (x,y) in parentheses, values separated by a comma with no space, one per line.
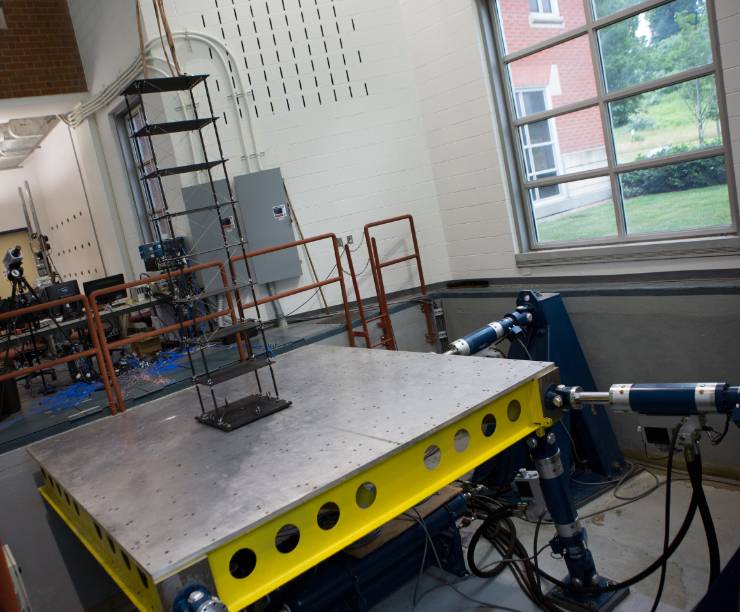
(266,222)
(264,204)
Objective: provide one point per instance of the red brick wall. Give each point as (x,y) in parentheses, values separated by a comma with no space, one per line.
(574,67)
(38,51)
(519,34)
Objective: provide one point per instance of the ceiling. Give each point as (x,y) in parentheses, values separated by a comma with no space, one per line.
(20,137)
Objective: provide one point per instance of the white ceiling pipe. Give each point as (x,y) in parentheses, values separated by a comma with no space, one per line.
(112,91)
(221,51)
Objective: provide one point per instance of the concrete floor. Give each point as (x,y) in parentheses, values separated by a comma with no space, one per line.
(623,542)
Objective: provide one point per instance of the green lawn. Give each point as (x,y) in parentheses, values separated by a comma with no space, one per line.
(679,210)
(671,123)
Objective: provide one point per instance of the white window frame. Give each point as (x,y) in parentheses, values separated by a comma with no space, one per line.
(553,142)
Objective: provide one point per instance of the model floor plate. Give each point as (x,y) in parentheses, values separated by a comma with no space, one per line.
(169,490)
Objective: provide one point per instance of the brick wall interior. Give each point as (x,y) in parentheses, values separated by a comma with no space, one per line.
(38,50)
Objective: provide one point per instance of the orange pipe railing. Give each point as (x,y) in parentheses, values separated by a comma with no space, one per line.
(365,332)
(109,346)
(377,266)
(96,351)
(283,294)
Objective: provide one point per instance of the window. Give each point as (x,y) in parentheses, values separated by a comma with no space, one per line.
(542,6)
(618,122)
(544,14)
(540,152)
(148,195)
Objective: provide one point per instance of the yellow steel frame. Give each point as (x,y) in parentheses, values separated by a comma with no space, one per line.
(399,481)
(130,577)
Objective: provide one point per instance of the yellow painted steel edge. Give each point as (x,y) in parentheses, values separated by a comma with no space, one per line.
(114,560)
(401,481)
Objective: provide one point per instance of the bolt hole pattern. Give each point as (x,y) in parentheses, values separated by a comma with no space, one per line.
(514,410)
(242,563)
(462,440)
(287,538)
(366,494)
(143,578)
(432,457)
(488,426)
(328,516)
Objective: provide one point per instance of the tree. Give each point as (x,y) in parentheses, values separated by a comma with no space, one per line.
(685,49)
(662,19)
(623,59)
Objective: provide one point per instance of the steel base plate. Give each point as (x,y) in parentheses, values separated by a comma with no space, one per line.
(234,415)
(576,602)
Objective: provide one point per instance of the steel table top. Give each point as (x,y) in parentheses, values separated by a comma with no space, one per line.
(170,489)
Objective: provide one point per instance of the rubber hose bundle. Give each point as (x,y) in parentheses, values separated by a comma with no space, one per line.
(499,530)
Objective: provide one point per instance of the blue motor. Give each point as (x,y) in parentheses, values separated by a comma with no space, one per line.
(197,598)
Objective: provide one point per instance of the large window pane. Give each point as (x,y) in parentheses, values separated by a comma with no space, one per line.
(526,25)
(659,42)
(583,211)
(559,75)
(566,144)
(686,196)
(684,115)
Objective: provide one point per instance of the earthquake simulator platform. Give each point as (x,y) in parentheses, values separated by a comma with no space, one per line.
(162,502)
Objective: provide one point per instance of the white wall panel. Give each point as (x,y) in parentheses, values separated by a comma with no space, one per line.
(59,195)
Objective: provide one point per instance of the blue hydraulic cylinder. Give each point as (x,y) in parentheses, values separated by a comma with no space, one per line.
(662,399)
(675,398)
(570,541)
(484,337)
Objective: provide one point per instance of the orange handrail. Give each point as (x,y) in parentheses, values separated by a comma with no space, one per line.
(96,351)
(109,346)
(339,278)
(377,266)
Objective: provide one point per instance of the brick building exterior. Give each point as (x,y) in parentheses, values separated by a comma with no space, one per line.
(38,50)
(552,78)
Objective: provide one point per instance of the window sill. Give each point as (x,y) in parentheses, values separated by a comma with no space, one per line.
(545,20)
(643,251)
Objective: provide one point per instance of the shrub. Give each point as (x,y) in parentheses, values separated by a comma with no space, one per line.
(675,177)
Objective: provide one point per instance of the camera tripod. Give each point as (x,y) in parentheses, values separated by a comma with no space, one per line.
(20,299)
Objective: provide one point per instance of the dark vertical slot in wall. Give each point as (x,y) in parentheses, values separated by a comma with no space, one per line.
(322,35)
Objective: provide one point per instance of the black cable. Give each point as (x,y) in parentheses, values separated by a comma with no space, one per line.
(418,518)
(666,519)
(695,470)
(500,531)
(712,544)
(716,441)
(491,527)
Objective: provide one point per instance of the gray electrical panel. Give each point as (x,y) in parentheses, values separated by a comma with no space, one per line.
(265,218)
(267,223)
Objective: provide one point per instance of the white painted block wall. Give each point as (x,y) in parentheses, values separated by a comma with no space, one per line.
(58,192)
(61,203)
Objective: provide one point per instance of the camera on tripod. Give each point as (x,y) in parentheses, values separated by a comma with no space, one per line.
(13,262)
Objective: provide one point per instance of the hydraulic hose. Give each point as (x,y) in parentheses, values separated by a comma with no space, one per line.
(492,529)
(666,519)
(500,531)
(712,543)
